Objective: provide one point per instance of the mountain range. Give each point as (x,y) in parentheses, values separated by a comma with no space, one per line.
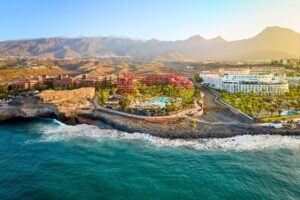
(271,43)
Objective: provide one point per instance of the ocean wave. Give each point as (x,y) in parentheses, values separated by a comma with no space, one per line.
(54,121)
(244,142)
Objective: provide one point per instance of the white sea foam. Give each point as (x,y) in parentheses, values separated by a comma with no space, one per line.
(57,122)
(245,142)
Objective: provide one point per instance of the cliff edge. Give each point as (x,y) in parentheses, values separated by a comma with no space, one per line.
(61,105)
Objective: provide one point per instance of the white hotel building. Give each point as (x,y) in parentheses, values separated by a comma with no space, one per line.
(246,80)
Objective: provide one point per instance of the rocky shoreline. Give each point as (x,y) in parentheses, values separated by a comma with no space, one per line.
(181,129)
(84,113)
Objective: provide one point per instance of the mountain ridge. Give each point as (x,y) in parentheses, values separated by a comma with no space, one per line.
(285,42)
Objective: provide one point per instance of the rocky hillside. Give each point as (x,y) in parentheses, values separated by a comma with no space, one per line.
(271,43)
(68,101)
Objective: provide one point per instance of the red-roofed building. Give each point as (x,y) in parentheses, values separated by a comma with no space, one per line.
(87,81)
(25,84)
(172,79)
(125,82)
(65,81)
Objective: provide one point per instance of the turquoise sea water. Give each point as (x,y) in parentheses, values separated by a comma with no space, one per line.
(45,160)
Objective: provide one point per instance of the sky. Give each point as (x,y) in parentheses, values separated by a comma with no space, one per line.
(145,19)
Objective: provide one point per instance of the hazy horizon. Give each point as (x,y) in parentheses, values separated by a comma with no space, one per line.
(167,20)
(134,38)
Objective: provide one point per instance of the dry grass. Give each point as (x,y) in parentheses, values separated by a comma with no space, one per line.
(69,100)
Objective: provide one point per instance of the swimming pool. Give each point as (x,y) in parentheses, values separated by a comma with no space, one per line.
(160,100)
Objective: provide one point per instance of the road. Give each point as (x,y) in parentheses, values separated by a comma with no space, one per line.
(216,112)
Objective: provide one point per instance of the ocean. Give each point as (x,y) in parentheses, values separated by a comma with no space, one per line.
(44,159)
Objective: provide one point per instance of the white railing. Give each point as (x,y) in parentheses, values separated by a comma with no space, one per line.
(220,101)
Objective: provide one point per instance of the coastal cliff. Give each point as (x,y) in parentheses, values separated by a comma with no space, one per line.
(61,105)
(27,107)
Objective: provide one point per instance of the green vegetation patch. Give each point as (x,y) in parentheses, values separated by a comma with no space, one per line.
(270,119)
(264,106)
(178,98)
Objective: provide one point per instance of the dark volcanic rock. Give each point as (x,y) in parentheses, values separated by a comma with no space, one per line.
(182,128)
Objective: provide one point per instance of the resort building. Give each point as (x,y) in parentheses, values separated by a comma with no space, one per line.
(172,79)
(126,82)
(280,71)
(293,81)
(106,81)
(25,84)
(19,85)
(234,71)
(212,78)
(246,80)
(62,81)
(87,81)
